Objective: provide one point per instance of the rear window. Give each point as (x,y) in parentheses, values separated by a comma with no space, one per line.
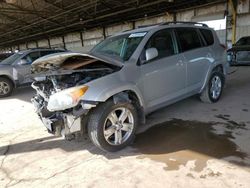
(208,36)
(188,39)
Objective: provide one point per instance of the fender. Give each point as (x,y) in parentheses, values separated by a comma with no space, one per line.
(101,89)
(112,90)
(212,67)
(10,78)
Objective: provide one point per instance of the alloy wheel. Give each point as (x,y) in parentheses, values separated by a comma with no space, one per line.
(216,87)
(4,88)
(118,126)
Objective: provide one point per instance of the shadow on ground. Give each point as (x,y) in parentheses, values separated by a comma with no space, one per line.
(24,94)
(174,142)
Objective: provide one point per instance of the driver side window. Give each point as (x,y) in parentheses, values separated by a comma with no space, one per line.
(162,41)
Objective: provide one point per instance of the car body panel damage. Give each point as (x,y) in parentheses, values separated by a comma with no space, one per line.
(127,76)
(67,60)
(63,76)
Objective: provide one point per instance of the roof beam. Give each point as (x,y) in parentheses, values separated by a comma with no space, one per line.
(14,10)
(81,13)
(54,5)
(19,21)
(14,18)
(55,16)
(91,19)
(37,13)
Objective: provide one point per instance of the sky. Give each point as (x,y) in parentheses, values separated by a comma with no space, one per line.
(216,24)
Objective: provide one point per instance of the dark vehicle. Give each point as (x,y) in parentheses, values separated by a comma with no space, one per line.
(4,56)
(239,54)
(15,71)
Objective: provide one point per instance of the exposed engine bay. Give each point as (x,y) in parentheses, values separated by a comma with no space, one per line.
(53,81)
(64,79)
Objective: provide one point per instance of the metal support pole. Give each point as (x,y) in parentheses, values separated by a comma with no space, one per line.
(233,5)
(175,16)
(63,40)
(104,32)
(133,24)
(49,43)
(81,37)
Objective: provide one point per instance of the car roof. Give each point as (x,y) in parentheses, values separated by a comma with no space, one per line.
(155,27)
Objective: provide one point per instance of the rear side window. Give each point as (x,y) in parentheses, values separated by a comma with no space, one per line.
(188,39)
(208,36)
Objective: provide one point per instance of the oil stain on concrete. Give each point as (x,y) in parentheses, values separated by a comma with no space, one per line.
(177,141)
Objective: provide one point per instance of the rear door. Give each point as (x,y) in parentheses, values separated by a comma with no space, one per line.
(197,56)
(164,77)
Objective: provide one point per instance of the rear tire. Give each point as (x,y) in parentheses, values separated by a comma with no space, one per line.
(112,127)
(6,87)
(214,88)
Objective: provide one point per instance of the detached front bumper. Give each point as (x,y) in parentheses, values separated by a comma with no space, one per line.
(63,123)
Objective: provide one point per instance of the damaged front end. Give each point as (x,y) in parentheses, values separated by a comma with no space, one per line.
(59,81)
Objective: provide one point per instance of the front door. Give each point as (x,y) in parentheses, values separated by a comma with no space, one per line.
(163,78)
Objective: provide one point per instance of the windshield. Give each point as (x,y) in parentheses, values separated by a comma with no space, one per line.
(122,46)
(11,59)
(243,41)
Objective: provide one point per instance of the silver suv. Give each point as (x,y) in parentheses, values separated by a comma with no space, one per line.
(15,70)
(108,92)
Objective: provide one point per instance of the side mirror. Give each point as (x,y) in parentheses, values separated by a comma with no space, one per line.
(151,53)
(23,62)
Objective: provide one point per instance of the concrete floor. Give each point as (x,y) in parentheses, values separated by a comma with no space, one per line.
(193,145)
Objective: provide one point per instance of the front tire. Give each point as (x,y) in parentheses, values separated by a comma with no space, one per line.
(214,88)
(6,87)
(112,127)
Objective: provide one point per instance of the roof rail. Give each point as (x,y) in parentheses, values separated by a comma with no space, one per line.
(182,22)
(169,23)
(46,48)
(38,48)
(150,25)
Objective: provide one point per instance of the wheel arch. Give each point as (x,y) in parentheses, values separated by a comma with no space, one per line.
(9,78)
(128,95)
(133,98)
(218,67)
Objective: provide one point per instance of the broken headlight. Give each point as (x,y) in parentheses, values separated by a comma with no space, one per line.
(66,99)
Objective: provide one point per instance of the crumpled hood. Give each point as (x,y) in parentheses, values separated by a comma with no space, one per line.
(56,61)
